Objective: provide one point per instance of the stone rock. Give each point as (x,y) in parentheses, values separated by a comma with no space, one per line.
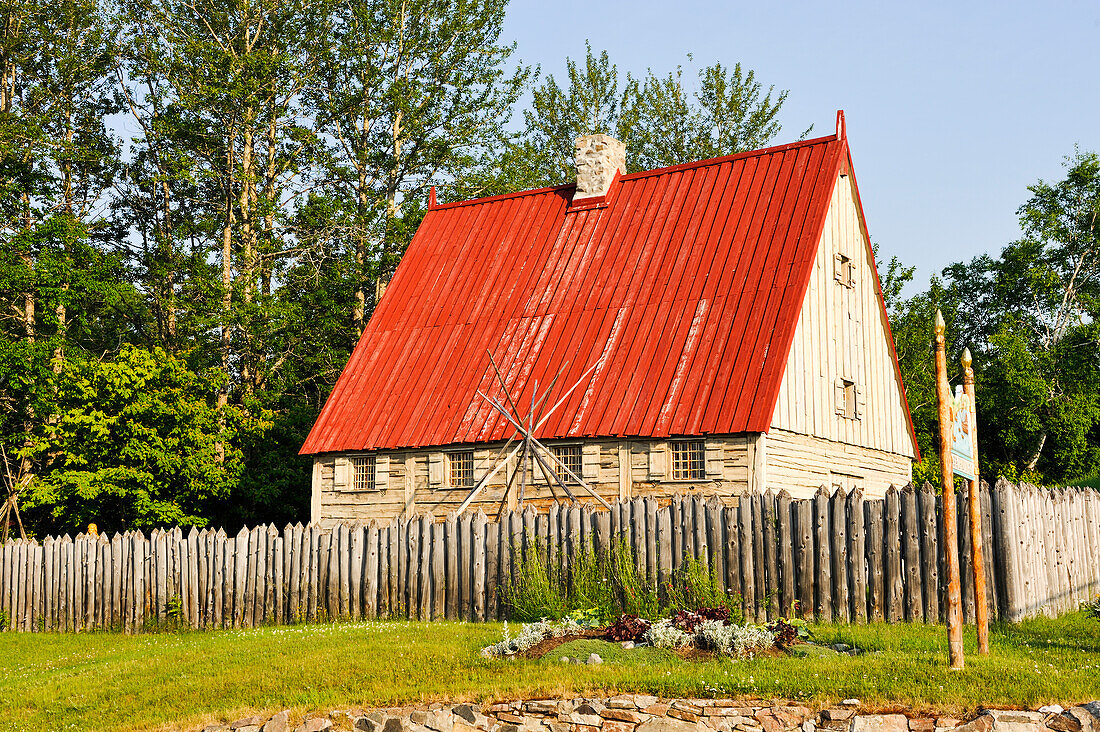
(642,701)
(1052,709)
(664,724)
(314,724)
(509,717)
(982,723)
(613,726)
(541,707)
(594,658)
(682,715)
(395,724)
(365,724)
(628,645)
(850,703)
(1012,721)
(1065,722)
(841,647)
(683,705)
(279,723)
(253,721)
(622,702)
(565,659)
(880,723)
(837,715)
(248,728)
(591,720)
(440,720)
(624,715)
(466,712)
(922,724)
(1086,715)
(215,728)
(809,726)
(947,722)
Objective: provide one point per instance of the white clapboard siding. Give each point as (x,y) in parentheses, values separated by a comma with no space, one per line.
(842,333)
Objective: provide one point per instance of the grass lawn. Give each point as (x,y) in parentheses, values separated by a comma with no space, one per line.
(155,681)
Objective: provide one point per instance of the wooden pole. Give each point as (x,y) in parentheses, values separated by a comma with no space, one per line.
(981,606)
(950,527)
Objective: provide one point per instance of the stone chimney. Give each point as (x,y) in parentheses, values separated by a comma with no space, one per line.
(599,157)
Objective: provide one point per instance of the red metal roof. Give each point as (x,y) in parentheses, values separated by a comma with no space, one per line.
(685,287)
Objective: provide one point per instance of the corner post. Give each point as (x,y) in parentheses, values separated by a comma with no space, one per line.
(981,606)
(950,526)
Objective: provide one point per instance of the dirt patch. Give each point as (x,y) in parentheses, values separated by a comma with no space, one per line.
(543,647)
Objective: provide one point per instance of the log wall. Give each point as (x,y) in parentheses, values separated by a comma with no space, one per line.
(840,556)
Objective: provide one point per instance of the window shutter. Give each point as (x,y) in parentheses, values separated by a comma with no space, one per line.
(658,461)
(861,401)
(481,465)
(838,267)
(381,472)
(341,473)
(838,396)
(435,469)
(714,466)
(590,462)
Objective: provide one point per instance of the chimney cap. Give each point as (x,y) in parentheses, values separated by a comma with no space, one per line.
(599,159)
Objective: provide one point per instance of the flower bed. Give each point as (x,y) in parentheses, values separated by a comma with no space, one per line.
(705,629)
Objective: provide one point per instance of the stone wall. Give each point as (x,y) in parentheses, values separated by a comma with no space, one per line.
(641,713)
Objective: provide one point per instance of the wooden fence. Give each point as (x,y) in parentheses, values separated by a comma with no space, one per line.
(841,557)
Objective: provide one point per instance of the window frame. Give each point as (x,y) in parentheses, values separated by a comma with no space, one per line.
(364,479)
(844,271)
(465,461)
(577,469)
(695,458)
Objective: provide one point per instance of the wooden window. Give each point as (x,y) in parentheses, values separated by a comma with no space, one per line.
(362,473)
(844,270)
(689,460)
(460,469)
(847,399)
(570,457)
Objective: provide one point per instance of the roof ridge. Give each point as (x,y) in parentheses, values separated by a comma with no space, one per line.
(646,173)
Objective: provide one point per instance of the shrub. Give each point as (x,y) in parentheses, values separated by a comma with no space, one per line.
(664,634)
(1092,609)
(628,628)
(694,585)
(601,584)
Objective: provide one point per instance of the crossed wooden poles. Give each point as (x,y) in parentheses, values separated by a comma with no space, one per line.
(11,502)
(530,447)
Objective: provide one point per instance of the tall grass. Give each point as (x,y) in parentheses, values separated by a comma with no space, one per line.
(609,583)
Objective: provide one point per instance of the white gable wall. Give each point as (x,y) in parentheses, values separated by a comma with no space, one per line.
(841,336)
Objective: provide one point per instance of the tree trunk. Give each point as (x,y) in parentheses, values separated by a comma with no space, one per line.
(1038,452)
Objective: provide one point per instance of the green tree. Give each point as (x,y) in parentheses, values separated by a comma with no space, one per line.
(138,441)
(410,92)
(660,120)
(1031,317)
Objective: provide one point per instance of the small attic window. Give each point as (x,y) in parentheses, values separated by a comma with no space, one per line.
(844,271)
(847,399)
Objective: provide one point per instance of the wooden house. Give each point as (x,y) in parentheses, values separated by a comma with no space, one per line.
(715,327)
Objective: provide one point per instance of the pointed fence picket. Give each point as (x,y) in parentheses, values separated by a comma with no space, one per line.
(837,556)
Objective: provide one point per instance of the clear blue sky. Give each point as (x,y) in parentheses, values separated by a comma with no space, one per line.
(953,109)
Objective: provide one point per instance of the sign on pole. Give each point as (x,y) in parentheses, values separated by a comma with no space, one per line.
(962,429)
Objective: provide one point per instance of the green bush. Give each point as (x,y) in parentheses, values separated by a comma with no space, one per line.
(607,584)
